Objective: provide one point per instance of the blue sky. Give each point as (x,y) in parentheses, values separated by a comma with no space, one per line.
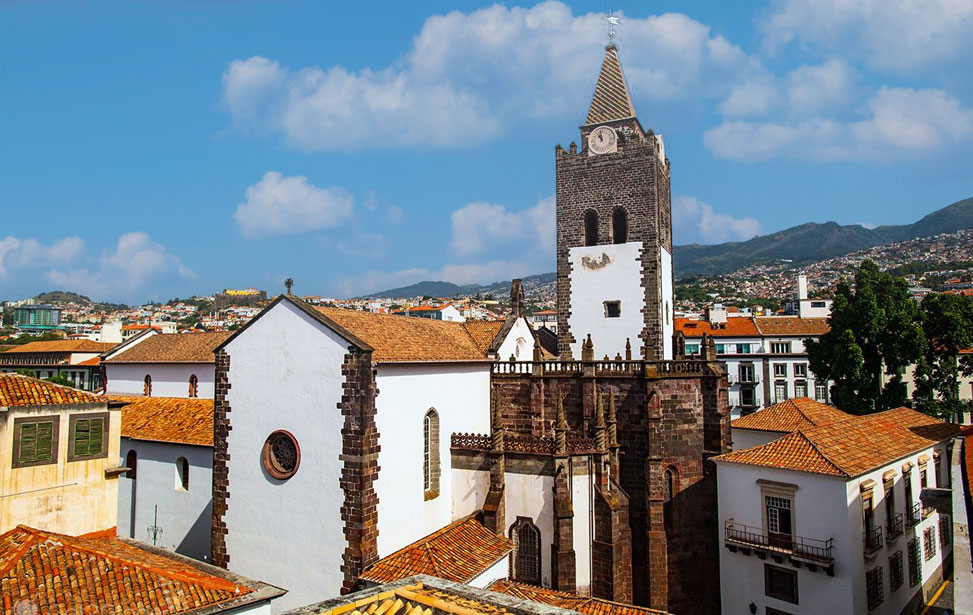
(158,149)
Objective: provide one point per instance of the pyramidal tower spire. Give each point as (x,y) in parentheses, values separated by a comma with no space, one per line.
(612,100)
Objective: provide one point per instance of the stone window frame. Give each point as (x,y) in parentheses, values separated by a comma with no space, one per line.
(775,489)
(789,572)
(516,574)
(105,430)
(267,459)
(431,466)
(780,370)
(55,438)
(800,370)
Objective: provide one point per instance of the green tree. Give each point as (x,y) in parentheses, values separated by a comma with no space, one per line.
(947,322)
(875,334)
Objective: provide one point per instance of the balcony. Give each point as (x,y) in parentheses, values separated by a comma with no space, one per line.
(915,514)
(873,540)
(799,550)
(894,528)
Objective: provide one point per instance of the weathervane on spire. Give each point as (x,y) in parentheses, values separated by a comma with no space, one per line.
(612,22)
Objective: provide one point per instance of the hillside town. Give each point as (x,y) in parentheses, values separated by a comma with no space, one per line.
(610,439)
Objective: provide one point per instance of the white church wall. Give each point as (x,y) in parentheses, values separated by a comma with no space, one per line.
(460,394)
(603,273)
(168,379)
(500,570)
(748,438)
(285,373)
(156,498)
(470,488)
(667,305)
(581,488)
(519,342)
(532,496)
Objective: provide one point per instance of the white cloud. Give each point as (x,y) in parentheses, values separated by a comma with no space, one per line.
(470,76)
(868,225)
(278,205)
(899,121)
(894,35)
(477,226)
(29,253)
(711,227)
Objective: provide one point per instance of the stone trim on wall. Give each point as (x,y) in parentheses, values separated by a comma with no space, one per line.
(221,471)
(359,457)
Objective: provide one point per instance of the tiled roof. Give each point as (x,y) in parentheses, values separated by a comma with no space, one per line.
(62,346)
(572,602)
(23,391)
(791,415)
(611,100)
(167,419)
(737,326)
(483,332)
(173,348)
(792,325)
(55,574)
(851,447)
(91,361)
(403,338)
(458,552)
(413,599)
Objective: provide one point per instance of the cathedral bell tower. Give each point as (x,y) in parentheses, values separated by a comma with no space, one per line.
(614,231)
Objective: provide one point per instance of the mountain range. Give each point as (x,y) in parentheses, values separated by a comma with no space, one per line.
(807,243)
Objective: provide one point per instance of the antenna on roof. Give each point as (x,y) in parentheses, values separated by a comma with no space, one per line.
(612,22)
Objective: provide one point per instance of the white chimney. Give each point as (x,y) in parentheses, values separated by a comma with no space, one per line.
(716,314)
(801,287)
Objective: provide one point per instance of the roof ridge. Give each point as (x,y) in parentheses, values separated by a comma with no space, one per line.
(814,446)
(433,559)
(19,552)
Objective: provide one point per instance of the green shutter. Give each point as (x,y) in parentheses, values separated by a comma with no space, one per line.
(81,429)
(45,438)
(88,437)
(96,429)
(28,443)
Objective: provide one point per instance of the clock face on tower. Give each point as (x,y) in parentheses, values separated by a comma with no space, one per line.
(602,140)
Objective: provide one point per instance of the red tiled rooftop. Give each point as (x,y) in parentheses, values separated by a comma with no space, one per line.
(569,601)
(737,326)
(791,415)
(792,326)
(24,391)
(182,420)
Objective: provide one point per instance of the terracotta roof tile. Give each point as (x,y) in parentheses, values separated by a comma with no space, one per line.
(572,602)
(167,419)
(791,415)
(851,447)
(173,348)
(792,325)
(405,338)
(60,574)
(458,552)
(737,326)
(483,332)
(23,391)
(62,346)
(415,600)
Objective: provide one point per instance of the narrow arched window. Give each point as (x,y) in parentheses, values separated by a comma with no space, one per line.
(619,225)
(147,387)
(131,462)
(526,561)
(591,228)
(182,474)
(193,386)
(430,454)
(668,484)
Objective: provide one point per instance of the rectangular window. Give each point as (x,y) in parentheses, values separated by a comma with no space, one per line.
(88,436)
(929,543)
(747,373)
(817,304)
(721,349)
(821,393)
(896,571)
(692,349)
(780,347)
(800,370)
(800,388)
(780,583)
(945,530)
(613,309)
(748,397)
(915,566)
(35,441)
(780,391)
(940,481)
(873,587)
(780,369)
(923,478)
(780,526)
(743,348)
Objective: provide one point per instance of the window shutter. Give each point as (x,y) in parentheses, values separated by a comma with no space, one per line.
(81,429)
(45,437)
(96,428)
(28,443)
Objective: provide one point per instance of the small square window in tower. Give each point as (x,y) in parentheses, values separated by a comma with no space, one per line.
(613,309)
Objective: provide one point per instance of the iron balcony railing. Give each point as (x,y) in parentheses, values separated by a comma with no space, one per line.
(895,526)
(818,551)
(915,514)
(873,540)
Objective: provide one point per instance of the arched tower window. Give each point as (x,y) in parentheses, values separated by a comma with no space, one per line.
(131,462)
(193,386)
(668,484)
(430,454)
(619,225)
(591,228)
(147,387)
(526,561)
(182,474)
